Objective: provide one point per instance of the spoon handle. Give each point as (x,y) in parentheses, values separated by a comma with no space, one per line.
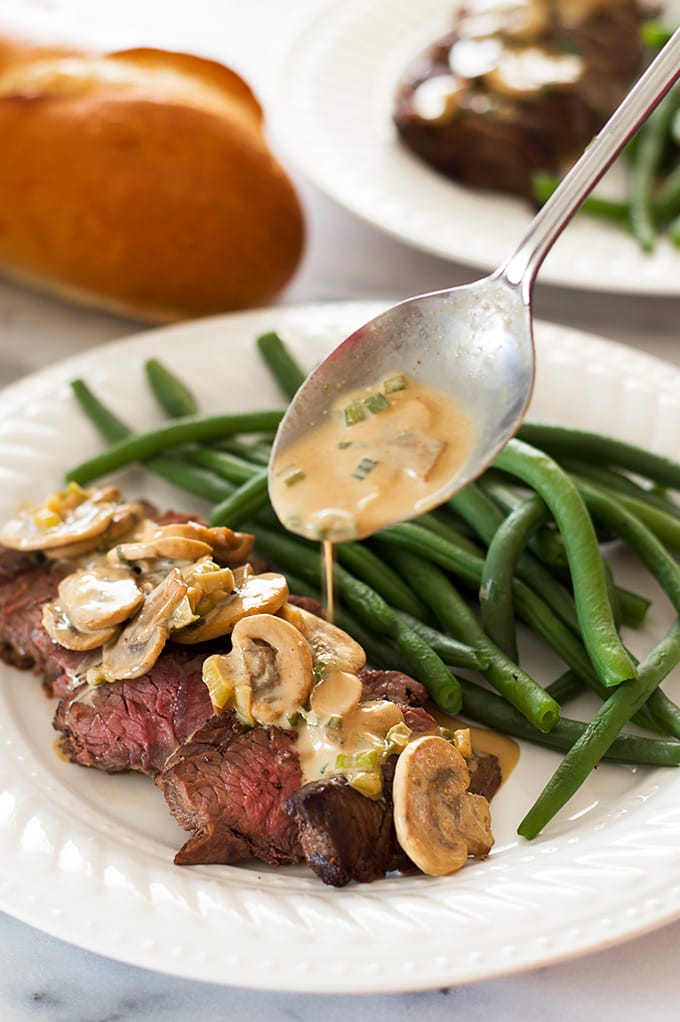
(523,265)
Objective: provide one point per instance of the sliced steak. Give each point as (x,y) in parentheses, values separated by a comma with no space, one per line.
(393,686)
(135,724)
(485,774)
(346,836)
(228,787)
(22,595)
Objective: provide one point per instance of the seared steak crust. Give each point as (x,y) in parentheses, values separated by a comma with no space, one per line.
(495,141)
(395,686)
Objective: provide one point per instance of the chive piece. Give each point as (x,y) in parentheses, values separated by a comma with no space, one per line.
(292,475)
(364,468)
(376,403)
(394,383)
(354,413)
(344,444)
(334,722)
(366,760)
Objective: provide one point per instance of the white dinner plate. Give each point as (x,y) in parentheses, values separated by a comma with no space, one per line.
(88,857)
(331,114)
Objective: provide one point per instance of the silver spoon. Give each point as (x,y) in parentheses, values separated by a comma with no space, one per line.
(475,342)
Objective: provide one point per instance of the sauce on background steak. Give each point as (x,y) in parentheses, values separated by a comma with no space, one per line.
(519,87)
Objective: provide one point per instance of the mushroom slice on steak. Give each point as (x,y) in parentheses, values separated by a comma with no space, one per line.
(73,516)
(254,594)
(99,597)
(438,822)
(138,646)
(62,630)
(330,644)
(267,675)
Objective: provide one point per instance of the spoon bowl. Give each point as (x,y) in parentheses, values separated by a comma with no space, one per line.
(473,342)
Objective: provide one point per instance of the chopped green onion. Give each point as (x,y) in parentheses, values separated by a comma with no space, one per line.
(354,413)
(376,403)
(344,444)
(394,383)
(292,475)
(334,722)
(367,759)
(364,468)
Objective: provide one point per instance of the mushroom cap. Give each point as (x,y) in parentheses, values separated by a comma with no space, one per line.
(61,521)
(62,630)
(437,821)
(99,597)
(272,662)
(256,594)
(329,643)
(138,645)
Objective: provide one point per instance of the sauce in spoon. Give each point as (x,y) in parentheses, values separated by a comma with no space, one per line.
(397,441)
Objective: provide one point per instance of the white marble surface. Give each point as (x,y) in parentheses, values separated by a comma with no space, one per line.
(42,978)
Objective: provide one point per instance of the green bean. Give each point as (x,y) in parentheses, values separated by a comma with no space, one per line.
(280,363)
(649,152)
(109,425)
(626,525)
(563,442)
(667,204)
(665,527)
(452,651)
(171,393)
(372,609)
(243,503)
(191,429)
(544,184)
(490,709)
(601,639)
(450,532)
(619,482)
(226,466)
(502,558)
(366,565)
(190,477)
(525,694)
(546,543)
(565,687)
(633,606)
(257,451)
(171,468)
(600,733)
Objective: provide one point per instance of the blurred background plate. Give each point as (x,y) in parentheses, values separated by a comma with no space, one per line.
(331,113)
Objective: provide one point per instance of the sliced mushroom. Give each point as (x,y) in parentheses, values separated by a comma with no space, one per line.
(99,597)
(138,646)
(437,821)
(58,627)
(228,547)
(257,594)
(161,547)
(124,519)
(68,516)
(269,670)
(330,644)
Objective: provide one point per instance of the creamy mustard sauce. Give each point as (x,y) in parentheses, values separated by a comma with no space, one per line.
(381,455)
